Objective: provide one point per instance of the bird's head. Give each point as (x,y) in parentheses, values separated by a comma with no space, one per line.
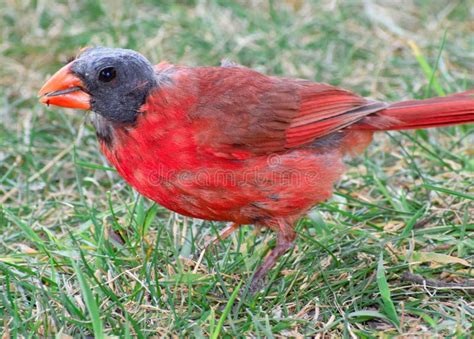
(112,82)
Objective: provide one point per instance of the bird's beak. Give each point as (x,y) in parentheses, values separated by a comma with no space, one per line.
(65,89)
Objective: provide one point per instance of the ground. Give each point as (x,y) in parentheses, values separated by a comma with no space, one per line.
(402,213)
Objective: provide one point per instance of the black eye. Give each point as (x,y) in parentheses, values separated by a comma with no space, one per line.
(107,74)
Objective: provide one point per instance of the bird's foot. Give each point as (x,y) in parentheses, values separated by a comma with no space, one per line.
(284,242)
(224,234)
(257,285)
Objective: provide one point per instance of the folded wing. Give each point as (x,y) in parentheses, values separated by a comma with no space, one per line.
(246,113)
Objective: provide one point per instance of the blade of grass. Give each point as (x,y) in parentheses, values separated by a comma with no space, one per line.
(91,304)
(406,231)
(448,191)
(433,73)
(388,306)
(426,68)
(226,312)
(32,236)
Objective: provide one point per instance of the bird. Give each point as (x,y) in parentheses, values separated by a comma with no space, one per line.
(227,143)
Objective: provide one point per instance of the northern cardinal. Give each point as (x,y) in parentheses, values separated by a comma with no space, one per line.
(228,143)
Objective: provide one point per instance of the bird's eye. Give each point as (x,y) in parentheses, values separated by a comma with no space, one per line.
(107,74)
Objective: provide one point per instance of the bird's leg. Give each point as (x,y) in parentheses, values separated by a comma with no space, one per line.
(224,234)
(285,239)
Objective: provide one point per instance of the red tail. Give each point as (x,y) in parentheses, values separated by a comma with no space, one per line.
(414,114)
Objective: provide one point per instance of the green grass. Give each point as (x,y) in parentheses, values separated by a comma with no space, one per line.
(406,205)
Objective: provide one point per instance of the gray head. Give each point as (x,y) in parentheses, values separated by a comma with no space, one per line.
(117,81)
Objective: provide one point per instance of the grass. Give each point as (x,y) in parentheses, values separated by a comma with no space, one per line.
(406,205)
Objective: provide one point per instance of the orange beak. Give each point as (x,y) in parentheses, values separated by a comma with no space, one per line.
(65,89)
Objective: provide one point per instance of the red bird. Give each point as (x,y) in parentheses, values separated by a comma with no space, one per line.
(228,143)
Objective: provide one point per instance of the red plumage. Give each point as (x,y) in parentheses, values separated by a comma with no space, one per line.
(415,114)
(231,144)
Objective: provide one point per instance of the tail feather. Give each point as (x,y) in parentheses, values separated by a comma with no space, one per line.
(415,114)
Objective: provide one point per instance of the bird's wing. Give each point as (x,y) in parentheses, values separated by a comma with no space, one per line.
(241,113)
